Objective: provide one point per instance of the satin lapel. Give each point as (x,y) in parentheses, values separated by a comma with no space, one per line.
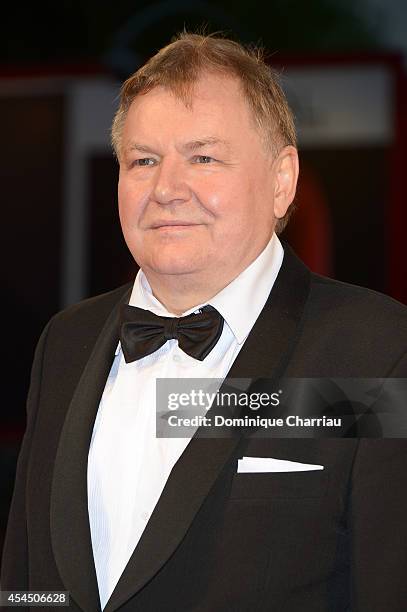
(265,354)
(269,346)
(70,530)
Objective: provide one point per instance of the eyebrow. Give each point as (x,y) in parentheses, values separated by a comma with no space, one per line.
(192,145)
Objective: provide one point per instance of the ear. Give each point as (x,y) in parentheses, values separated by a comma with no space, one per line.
(286,169)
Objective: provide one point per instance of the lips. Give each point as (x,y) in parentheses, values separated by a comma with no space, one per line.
(174,224)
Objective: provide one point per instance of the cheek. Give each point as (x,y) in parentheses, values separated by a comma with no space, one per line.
(130,200)
(210,192)
(233,206)
(222,196)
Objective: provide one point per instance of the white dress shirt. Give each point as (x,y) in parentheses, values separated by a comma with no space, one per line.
(128,465)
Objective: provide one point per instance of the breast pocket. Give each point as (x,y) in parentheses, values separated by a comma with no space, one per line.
(280,485)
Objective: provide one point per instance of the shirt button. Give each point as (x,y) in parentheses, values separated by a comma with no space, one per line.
(177,358)
(145,516)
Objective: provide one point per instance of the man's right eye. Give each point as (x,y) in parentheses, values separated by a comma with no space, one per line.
(144,161)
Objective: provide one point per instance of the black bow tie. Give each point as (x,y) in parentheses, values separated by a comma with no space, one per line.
(142,332)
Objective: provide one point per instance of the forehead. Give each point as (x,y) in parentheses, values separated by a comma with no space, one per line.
(217,104)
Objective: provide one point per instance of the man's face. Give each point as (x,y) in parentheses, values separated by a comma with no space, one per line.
(196,184)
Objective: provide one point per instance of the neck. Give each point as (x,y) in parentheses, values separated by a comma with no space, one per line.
(179,293)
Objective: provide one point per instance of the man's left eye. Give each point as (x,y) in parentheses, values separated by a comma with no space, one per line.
(203,159)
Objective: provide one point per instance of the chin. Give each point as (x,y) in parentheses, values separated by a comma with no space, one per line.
(173,268)
(172,265)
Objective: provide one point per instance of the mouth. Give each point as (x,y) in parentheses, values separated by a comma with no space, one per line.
(173,225)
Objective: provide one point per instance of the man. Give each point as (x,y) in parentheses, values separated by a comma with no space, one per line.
(124,520)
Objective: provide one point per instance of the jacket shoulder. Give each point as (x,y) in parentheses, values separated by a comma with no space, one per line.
(350,331)
(355,301)
(88,316)
(358,317)
(102,302)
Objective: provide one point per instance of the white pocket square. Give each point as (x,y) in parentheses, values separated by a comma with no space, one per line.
(268,464)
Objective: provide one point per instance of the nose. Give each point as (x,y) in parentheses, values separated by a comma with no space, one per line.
(170,182)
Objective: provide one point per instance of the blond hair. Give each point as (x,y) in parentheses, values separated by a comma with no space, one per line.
(180,64)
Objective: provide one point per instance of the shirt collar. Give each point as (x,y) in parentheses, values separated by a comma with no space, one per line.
(239,303)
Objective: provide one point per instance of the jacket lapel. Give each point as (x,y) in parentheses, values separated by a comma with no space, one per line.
(70,529)
(265,354)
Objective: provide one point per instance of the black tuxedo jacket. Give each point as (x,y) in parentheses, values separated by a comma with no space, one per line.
(323,541)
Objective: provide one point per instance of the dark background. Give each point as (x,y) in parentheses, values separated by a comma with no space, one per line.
(351,219)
